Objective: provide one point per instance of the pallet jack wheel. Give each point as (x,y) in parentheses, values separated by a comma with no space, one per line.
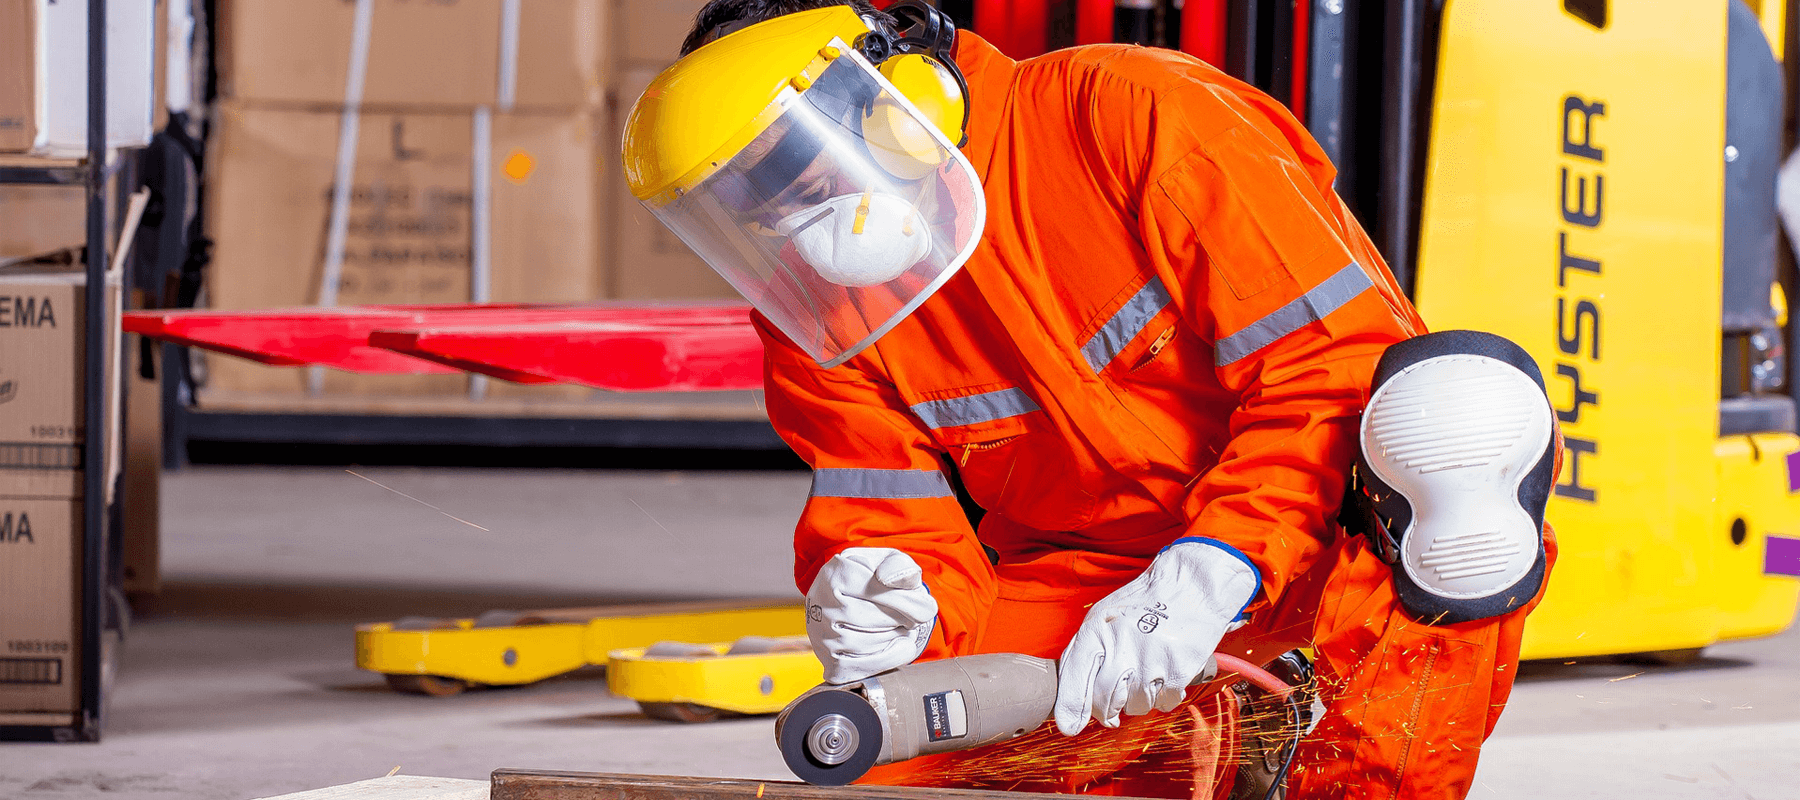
(681,712)
(428,685)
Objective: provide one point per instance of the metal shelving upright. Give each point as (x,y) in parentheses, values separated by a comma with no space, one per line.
(97,565)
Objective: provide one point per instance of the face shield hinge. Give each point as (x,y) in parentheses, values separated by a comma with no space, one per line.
(874,46)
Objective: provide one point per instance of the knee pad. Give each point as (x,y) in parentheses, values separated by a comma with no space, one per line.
(1457,455)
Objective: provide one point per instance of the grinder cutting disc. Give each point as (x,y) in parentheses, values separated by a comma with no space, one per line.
(830,738)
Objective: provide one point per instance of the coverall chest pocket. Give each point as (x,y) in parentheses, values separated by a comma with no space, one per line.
(1167,382)
(1021,468)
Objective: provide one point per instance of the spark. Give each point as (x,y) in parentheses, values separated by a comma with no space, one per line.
(658,522)
(393,772)
(1177,744)
(759,790)
(1623,677)
(1732,781)
(417,500)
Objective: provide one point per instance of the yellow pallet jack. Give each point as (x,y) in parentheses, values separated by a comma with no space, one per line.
(704,682)
(442,657)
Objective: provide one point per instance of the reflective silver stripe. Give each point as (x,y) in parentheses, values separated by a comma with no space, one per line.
(1125,325)
(984,407)
(1308,308)
(880,484)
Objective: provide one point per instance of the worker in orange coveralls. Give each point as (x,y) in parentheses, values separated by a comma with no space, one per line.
(1110,293)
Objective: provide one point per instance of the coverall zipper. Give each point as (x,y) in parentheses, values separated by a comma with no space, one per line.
(973,446)
(1157,346)
(1412,727)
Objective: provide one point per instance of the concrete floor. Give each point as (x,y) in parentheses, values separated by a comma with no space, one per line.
(237,683)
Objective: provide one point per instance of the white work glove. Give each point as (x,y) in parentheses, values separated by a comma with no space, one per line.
(868,611)
(1142,645)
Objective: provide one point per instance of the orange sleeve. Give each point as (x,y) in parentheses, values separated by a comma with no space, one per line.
(878,481)
(1245,233)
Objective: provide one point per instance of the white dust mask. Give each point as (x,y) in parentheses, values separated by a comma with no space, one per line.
(858,240)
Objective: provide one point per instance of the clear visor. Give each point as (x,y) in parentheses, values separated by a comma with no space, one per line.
(841,217)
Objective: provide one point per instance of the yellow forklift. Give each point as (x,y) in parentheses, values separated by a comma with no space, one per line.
(1598,183)
(1595,180)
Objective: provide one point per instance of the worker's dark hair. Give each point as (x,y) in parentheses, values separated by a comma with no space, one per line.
(720,17)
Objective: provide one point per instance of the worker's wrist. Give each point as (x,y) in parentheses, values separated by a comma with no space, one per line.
(1219,547)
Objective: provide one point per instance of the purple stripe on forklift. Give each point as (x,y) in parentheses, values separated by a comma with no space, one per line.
(1782,556)
(1793,460)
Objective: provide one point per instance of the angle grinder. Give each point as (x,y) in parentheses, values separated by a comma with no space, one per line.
(833,734)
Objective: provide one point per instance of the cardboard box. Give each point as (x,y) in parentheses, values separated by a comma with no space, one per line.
(43,110)
(648,260)
(18,75)
(35,220)
(651,31)
(421,53)
(159,60)
(40,632)
(411,215)
(141,516)
(42,433)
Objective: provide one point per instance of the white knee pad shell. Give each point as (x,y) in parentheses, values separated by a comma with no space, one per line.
(1457,450)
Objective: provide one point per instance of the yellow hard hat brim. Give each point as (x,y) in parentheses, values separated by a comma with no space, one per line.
(702,110)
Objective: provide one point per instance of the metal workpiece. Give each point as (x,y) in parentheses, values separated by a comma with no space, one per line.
(524,784)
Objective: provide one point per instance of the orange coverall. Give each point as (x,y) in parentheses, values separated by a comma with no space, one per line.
(1168,330)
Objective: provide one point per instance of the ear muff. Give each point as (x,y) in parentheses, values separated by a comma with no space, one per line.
(900,143)
(934,89)
(914,55)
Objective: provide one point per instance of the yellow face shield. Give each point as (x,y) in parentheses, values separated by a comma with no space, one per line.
(841,215)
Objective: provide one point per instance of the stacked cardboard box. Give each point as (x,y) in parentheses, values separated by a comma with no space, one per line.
(42,435)
(470,134)
(547,84)
(43,75)
(18,75)
(38,220)
(545,55)
(411,217)
(43,108)
(648,260)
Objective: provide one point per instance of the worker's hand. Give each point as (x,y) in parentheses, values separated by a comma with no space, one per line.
(1142,645)
(868,611)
